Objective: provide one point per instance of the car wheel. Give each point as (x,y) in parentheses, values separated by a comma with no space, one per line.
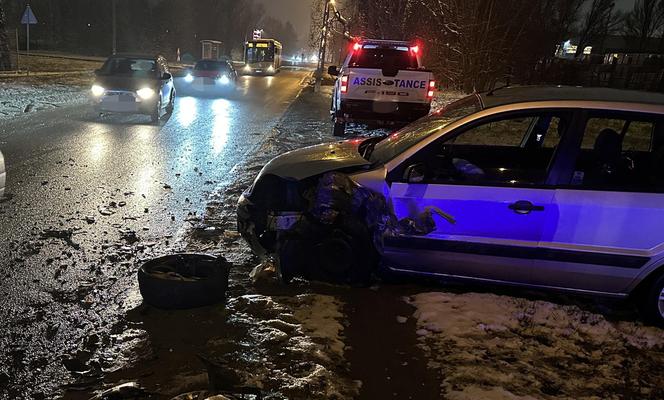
(183,281)
(339,129)
(342,253)
(171,104)
(156,113)
(652,302)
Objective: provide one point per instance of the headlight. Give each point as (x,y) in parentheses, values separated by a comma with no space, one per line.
(270,68)
(247,68)
(145,93)
(189,78)
(223,80)
(97,90)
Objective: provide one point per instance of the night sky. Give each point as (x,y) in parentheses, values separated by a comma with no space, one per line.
(298,12)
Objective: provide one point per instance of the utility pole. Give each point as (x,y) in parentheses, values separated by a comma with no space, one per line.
(330,7)
(323,46)
(115,32)
(18,55)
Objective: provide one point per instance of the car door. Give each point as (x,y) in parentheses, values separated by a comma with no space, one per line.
(492,177)
(610,206)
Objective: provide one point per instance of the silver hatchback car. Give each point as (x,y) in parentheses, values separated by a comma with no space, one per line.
(544,187)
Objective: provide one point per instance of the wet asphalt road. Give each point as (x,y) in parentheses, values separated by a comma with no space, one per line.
(83,190)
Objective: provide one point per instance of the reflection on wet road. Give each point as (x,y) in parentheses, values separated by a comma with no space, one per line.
(77,180)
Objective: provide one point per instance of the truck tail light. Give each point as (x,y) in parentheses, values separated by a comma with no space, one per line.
(344,84)
(432,89)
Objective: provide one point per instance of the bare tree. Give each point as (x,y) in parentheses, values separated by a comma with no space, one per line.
(477,39)
(384,19)
(5,59)
(645,20)
(470,44)
(600,20)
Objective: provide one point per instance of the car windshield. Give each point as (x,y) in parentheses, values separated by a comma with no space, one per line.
(380,58)
(261,54)
(409,136)
(211,66)
(131,67)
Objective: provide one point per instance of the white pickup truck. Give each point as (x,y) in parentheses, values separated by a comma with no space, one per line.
(381,82)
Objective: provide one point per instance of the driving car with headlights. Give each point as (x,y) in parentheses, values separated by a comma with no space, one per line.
(558,188)
(211,75)
(134,84)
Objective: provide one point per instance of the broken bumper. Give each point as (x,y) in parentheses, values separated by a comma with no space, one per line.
(246,224)
(373,111)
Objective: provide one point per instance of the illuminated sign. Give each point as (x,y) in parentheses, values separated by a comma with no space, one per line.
(262,45)
(570,48)
(397,83)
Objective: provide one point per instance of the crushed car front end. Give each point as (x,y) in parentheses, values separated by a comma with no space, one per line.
(281,193)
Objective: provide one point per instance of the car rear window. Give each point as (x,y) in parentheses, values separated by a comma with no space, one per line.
(380,58)
(210,66)
(134,67)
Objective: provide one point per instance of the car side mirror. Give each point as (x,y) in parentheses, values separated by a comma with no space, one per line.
(166,76)
(415,173)
(333,70)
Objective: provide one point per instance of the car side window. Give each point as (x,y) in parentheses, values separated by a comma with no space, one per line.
(621,152)
(515,150)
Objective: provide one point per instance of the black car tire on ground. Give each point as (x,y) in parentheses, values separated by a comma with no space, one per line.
(339,129)
(156,113)
(649,303)
(184,281)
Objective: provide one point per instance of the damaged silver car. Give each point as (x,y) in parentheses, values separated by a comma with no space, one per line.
(547,187)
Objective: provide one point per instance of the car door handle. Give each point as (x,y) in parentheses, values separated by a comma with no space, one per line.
(524,207)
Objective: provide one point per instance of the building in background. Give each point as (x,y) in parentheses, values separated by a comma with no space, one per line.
(620,50)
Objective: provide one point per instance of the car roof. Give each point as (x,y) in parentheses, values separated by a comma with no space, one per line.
(527,94)
(381,42)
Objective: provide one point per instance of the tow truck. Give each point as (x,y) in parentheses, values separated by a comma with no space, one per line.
(381,82)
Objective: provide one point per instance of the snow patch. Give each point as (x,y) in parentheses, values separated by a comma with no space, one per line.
(500,347)
(18,99)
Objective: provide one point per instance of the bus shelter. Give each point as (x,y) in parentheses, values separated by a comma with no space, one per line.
(211,49)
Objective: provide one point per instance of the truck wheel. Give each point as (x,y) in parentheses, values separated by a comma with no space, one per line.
(652,302)
(156,113)
(339,129)
(171,104)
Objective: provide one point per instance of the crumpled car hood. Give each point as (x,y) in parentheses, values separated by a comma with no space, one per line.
(315,160)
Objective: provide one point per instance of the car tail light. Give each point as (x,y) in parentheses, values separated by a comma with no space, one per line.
(432,89)
(415,49)
(357,47)
(344,84)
